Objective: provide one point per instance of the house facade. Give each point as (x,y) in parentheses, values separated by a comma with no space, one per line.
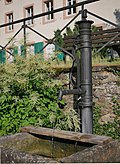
(12,10)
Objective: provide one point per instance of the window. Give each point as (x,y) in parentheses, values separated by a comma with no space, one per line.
(29,13)
(49,7)
(9,18)
(71,10)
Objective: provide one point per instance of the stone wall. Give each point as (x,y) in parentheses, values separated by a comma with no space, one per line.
(106,86)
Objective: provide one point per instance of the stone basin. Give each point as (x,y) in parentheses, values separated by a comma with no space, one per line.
(44,145)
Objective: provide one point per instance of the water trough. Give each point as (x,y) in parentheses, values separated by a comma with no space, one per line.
(46,145)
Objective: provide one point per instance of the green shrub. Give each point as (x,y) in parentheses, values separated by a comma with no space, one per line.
(28,96)
(111,129)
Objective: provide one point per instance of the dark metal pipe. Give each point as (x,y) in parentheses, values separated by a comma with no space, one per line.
(85,47)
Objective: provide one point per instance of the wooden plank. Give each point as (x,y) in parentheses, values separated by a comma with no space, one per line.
(97,39)
(109,45)
(70,37)
(74,136)
(68,48)
(106,31)
(68,45)
(68,41)
(104,40)
(104,36)
(114,44)
(116,41)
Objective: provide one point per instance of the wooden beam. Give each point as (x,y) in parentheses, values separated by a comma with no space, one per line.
(106,31)
(105,40)
(68,135)
(104,36)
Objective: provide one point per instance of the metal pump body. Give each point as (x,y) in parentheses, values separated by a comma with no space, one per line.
(84,75)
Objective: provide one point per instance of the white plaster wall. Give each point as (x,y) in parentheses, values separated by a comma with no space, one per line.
(104,8)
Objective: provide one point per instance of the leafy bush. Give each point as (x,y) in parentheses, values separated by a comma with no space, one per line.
(111,129)
(28,96)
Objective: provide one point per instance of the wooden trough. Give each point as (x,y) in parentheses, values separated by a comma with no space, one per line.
(36,145)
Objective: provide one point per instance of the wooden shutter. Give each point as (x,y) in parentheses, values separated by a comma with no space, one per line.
(60,56)
(38,47)
(22,50)
(15,51)
(2,56)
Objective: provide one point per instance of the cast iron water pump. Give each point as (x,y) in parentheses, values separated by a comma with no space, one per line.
(84,75)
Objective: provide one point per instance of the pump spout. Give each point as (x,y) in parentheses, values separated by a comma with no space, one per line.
(68,92)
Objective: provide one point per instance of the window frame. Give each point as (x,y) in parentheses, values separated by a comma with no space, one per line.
(28,12)
(9,28)
(72,12)
(50,17)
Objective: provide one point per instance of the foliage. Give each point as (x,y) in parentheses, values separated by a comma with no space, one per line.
(58,38)
(111,128)
(72,32)
(117,15)
(94,28)
(102,55)
(28,96)
(76,30)
(69,32)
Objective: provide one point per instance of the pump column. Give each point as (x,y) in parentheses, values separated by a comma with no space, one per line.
(85,47)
